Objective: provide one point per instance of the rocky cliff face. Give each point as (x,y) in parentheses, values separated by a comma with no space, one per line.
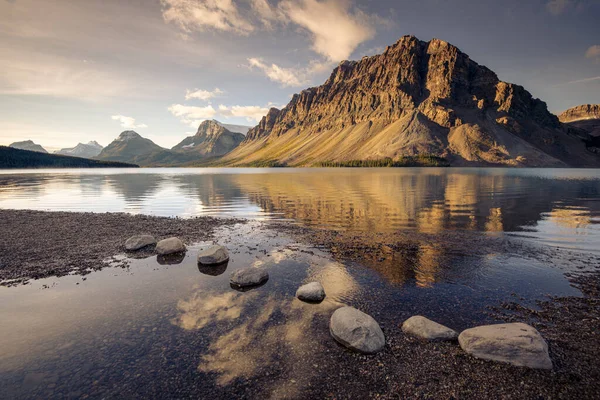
(585,118)
(415,98)
(586,111)
(212,139)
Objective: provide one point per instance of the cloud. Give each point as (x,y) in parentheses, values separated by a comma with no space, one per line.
(285,76)
(595,78)
(200,15)
(290,77)
(193,116)
(335,29)
(203,94)
(251,113)
(128,122)
(593,52)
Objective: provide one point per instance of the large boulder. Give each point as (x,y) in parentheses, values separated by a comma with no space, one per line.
(170,246)
(213,255)
(427,329)
(517,343)
(138,242)
(356,330)
(311,292)
(249,277)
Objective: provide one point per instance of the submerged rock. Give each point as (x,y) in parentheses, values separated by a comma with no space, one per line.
(170,246)
(138,242)
(427,329)
(213,255)
(312,292)
(249,277)
(516,343)
(356,330)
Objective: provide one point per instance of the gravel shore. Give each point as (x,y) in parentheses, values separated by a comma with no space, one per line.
(37,244)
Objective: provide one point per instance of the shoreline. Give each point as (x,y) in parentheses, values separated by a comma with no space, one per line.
(59,243)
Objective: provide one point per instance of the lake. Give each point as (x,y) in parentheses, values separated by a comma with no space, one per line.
(152,329)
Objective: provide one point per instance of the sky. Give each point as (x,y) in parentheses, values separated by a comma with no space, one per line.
(79,70)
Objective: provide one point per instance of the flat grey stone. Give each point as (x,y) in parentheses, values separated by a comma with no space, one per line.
(356,330)
(517,344)
(311,292)
(138,242)
(427,329)
(213,255)
(170,246)
(247,277)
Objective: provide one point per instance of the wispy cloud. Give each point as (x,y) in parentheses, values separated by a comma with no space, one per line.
(199,15)
(557,7)
(251,113)
(193,116)
(595,78)
(128,122)
(203,94)
(290,77)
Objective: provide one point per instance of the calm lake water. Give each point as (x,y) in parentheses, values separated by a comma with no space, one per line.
(178,330)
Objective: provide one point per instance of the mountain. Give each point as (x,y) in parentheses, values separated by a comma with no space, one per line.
(585,117)
(417,99)
(89,150)
(16,158)
(212,139)
(129,147)
(28,145)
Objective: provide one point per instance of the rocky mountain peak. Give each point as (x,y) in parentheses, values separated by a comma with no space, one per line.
(128,135)
(582,112)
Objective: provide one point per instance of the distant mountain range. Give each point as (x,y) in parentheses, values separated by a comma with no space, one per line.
(28,145)
(85,150)
(212,140)
(416,99)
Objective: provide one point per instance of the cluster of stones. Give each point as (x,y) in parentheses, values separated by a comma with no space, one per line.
(164,247)
(514,343)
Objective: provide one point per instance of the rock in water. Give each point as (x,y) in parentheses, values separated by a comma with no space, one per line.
(170,246)
(138,242)
(248,277)
(312,292)
(427,329)
(213,255)
(517,343)
(356,330)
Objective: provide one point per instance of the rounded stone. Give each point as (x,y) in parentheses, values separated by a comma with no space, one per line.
(356,330)
(427,329)
(516,343)
(311,292)
(213,255)
(248,277)
(138,242)
(170,246)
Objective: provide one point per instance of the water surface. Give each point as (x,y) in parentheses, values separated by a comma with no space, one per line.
(155,330)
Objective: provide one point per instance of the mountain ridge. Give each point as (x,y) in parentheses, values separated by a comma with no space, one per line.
(28,145)
(85,150)
(211,140)
(415,98)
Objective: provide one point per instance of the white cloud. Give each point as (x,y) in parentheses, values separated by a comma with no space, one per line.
(203,94)
(128,122)
(192,112)
(285,76)
(593,52)
(335,29)
(199,15)
(595,78)
(251,113)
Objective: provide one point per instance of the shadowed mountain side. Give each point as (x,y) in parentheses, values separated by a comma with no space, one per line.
(16,158)
(417,98)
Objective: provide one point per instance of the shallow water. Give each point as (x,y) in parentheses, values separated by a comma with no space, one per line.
(155,330)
